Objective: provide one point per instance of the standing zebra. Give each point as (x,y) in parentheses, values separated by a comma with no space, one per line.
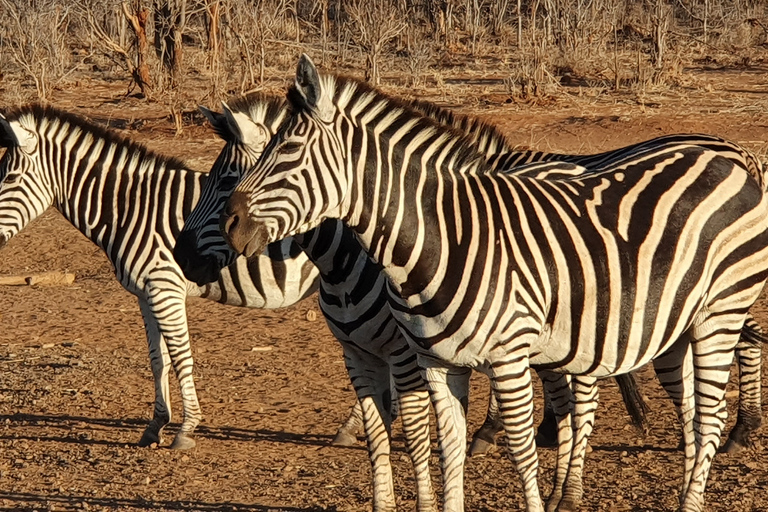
(571,274)
(132,203)
(201,249)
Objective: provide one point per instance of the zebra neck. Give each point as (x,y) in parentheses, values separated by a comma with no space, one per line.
(112,193)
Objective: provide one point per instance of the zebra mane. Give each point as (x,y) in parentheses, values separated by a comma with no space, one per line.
(35,116)
(348,91)
(485,135)
(260,108)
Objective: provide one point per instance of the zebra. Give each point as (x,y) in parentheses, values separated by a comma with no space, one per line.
(569,261)
(132,202)
(359,320)
(203,252)
(501,155)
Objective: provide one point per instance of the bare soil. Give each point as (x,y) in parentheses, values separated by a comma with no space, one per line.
(76,388)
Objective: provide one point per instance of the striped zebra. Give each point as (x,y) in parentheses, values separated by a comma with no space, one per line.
(205,251)
(501,155)
(352,290)
(662,253)
(132,202)
(356,310)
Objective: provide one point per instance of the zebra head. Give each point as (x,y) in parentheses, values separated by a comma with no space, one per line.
(246,125)
(301,178)
(25,190)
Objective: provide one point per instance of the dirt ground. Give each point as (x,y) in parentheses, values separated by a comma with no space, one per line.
(76,388)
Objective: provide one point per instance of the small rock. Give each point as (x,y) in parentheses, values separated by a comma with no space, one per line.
(311,315)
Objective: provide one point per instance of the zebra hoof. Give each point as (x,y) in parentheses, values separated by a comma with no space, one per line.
(568,505)
(149,437)
(480,447)
(183,442)
(732,446)
(344,438)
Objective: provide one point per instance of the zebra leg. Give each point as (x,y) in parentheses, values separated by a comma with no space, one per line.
(484,440)
(714,340)
(674,370)
(585,392)
(160,362)
(449,392)
(547,433)
(749,356)
(347,433)
(511,381)
(370,378)
(558,388)
(167,306)
(413,399)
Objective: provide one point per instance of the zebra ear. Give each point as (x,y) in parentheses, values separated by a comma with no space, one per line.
(244,130)
(308,81)
(12,134)
(309,89)
(218,122)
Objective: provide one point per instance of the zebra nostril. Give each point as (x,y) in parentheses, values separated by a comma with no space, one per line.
(231,223)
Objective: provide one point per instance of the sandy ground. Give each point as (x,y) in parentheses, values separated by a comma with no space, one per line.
(76,388)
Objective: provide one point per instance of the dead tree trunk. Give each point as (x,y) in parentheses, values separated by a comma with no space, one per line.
(137,16)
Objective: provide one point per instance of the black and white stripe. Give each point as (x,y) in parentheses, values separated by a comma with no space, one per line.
(132,203)
(655,258)
(355,309)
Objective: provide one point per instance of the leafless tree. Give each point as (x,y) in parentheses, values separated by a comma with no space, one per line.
(34,34)
(133,56)
(375,23)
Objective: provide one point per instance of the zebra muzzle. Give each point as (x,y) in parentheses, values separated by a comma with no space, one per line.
(243,234)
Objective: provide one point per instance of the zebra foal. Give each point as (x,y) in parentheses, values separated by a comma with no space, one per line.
(654,258)
(132,202)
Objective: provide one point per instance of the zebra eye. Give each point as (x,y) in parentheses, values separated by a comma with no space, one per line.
(290,147)
(12,177)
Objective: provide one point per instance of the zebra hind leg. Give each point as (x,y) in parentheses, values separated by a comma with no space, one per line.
(674,370)
(484,440)
(749,357)
(557,388)
(585,394)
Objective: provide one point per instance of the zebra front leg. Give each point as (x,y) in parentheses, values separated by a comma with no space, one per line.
(346,435)
(557,387)
(370,378)
(511,381)
(168,308)
(413,400)
(449,392)
(749,356)
(160,363)
(585,392)
(674,370)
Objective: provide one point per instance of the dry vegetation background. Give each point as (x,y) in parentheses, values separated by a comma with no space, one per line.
(178,53)
(558,75)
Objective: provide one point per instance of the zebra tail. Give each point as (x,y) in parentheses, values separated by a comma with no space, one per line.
(633,400)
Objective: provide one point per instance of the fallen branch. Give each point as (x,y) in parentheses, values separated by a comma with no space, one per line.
(42,279)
